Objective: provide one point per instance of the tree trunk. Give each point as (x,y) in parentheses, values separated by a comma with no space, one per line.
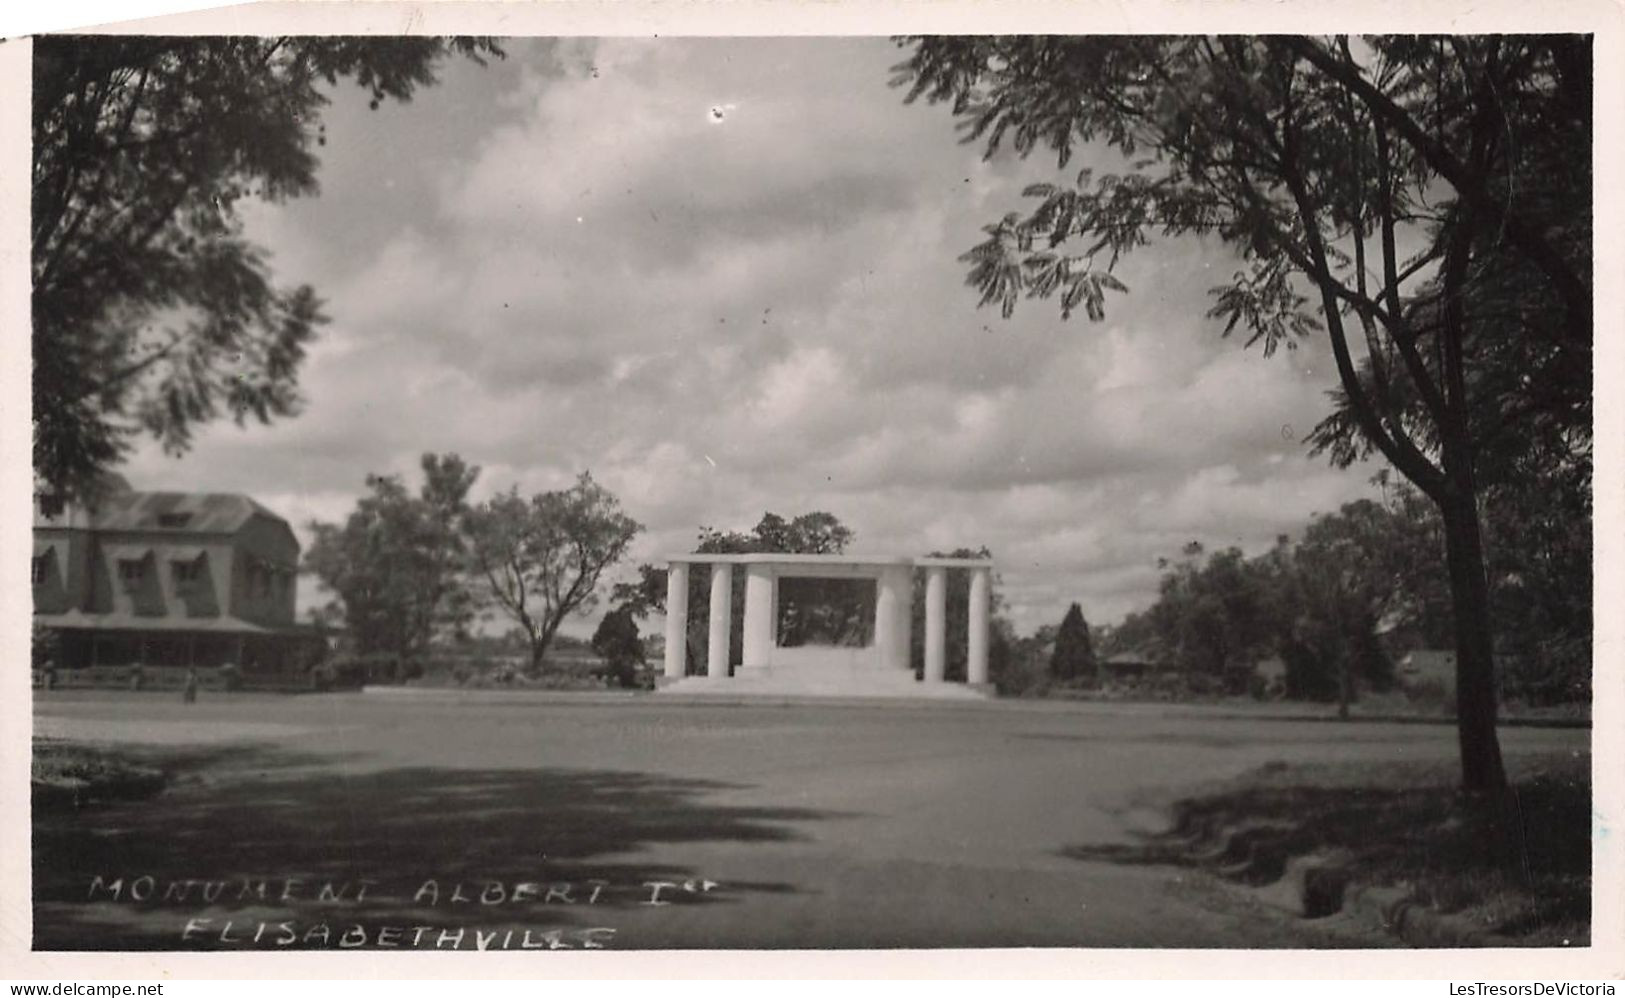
(539,644)
(1345,685)
(1481,767)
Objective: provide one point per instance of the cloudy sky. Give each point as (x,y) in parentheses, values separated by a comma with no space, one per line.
(722,276)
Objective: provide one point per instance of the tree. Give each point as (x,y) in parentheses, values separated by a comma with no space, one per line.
(394,565)
(151,310)
(1074,657)
(1537,537)
(1540,559)
(1317,160)
(618,643)
(1211,617)
(541,558)
(1349,573)
(1025,669)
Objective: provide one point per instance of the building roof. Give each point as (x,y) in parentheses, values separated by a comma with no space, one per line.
(178,512)
(1136,653)
(1429,656)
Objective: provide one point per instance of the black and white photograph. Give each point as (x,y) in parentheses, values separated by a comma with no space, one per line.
(1075,487)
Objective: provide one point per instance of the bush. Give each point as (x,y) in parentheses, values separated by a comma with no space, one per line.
(1433,693)
(46,647)
(231,677)
(1258,687)
(72,776)
(1205,685)
(626,674)
(1308,677)
(1555,672)
(343,673)
(354,671)
(1020,675)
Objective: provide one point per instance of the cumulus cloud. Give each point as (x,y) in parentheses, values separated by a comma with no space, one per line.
(721,274)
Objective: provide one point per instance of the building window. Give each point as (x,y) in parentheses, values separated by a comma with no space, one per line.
(37,572)
(174,519)
(131,570)
(186,573)
(258,578)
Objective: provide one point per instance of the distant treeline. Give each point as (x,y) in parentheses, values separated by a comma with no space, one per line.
(1368,583)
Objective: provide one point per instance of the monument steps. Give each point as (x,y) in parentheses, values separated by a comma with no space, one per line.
(859,682)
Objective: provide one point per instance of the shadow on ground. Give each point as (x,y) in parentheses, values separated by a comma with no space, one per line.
(254,835)
(1522,870)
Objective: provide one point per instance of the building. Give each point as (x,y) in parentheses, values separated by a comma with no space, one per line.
(1271,670)
(1428,667)
(771,664)
(169,579)
(1128,665)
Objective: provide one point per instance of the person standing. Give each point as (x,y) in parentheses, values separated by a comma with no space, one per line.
(189,692)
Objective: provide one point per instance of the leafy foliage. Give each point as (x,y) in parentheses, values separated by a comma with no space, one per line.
(1074,655)
(394,566)
(1364,585)
(618,643)
(1316,159)
(152,312)
(541,558)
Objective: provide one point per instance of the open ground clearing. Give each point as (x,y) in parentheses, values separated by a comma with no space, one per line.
(773,826)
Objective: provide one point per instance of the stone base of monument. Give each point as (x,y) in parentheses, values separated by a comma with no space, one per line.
(823,682)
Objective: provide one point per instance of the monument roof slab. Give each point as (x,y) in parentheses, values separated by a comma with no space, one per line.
(853,560)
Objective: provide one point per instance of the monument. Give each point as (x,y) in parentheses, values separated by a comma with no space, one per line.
(880,666)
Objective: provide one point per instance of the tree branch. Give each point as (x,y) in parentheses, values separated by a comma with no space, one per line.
(1570,286)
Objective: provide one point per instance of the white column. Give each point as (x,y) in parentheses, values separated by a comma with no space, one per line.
(936,623)
(722,584)
(773,618)
(759,613)
(892,596)
(677,620)
(981,585)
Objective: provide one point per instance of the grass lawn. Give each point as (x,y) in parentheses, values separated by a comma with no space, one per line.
(70,775)
(1522,871)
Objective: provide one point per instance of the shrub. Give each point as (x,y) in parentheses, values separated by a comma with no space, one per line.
(72,776)
(1258,687)
(619,672)
(1432,692)
(46,647)
(342,673)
